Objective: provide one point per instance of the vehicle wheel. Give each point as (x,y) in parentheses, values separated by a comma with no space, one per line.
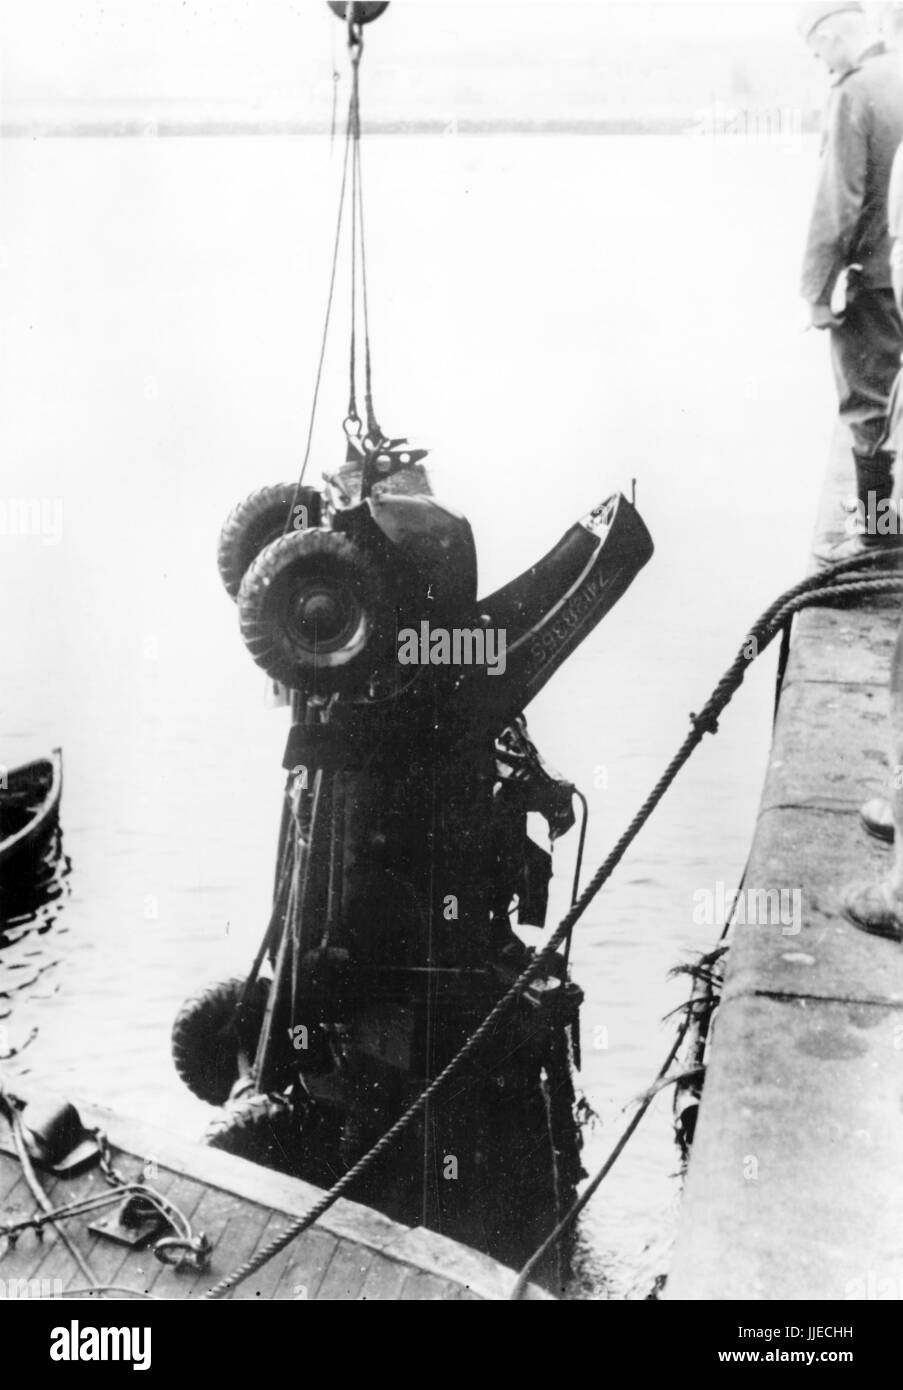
(314,613)
(207,1036)
(256,1127)
(363,13)
(256,522)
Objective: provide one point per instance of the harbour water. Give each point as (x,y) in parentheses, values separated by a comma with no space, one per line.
(553,316)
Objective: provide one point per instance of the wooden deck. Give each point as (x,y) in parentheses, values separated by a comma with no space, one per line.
(352,1253)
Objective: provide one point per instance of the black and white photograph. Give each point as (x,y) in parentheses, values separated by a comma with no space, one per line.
(451,664)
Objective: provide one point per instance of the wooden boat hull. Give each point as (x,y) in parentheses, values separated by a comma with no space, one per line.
(351,1254)
(29,809)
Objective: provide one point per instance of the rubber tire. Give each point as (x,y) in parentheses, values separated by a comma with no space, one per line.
(254,524)
(255,1127)
(204,1054)
(264,604)
(366,12)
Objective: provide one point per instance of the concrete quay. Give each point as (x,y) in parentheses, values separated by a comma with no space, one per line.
(795,1182)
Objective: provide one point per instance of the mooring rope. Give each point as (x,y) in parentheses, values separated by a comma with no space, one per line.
(844,581)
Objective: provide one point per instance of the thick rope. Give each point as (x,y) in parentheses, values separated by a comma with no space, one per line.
(846,580)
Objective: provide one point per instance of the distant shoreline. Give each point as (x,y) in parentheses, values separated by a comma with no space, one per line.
(738,127)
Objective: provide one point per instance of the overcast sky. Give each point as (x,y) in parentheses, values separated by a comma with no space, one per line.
(425,58)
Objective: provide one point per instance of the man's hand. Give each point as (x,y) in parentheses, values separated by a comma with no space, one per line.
(822,316)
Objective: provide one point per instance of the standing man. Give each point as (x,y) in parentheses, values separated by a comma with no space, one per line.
(863,127)
(878,907)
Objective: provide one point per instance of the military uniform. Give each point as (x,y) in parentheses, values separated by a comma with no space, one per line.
(849,225)
(894,440)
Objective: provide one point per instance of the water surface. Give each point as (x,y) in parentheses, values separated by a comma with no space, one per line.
(552,316)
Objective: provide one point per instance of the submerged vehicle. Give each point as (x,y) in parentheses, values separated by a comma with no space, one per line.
(403,852)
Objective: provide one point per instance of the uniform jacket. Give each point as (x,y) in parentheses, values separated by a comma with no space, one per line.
(895,219)
(863,128)
(894,439)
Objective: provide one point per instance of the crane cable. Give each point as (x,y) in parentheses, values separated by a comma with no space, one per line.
(351,160)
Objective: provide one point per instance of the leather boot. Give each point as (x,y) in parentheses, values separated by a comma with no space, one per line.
(874,490)
(877,523)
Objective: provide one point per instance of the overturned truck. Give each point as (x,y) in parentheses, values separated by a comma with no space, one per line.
(403,853)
